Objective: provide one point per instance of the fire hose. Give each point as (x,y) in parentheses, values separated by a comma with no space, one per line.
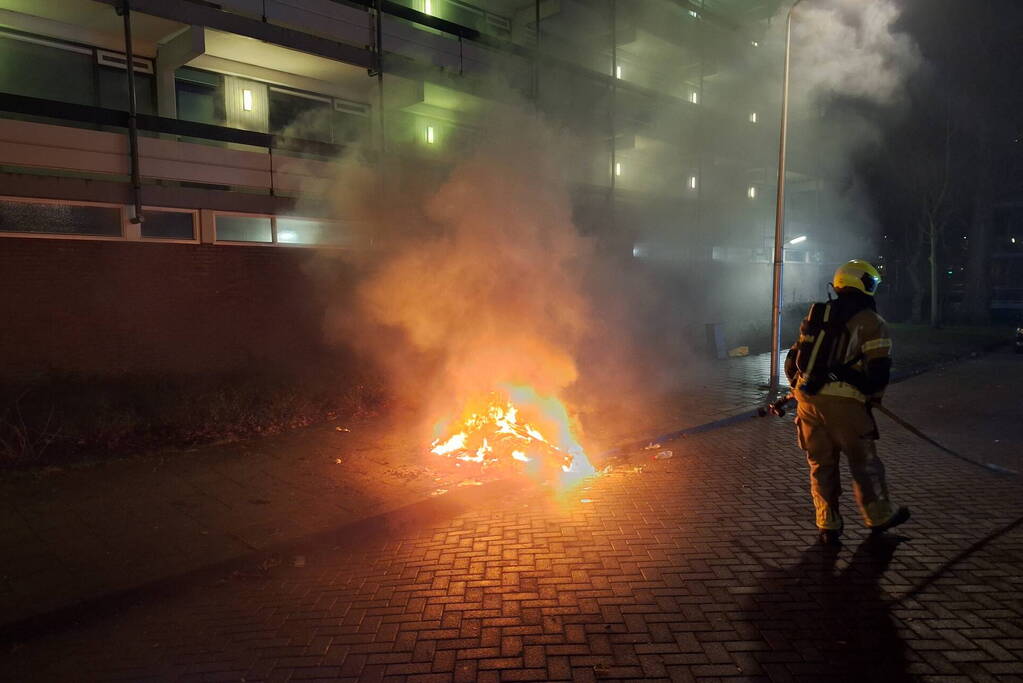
(780,406)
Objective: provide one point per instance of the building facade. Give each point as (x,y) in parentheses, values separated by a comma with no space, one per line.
(242,107)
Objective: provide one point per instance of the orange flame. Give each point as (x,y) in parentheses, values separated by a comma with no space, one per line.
(496,436)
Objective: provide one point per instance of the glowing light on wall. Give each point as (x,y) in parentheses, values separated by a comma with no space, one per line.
(753,117)
(618,168)
(618,71)
(428,6)
(692,182)
(797,240)
(694,97)
(247,99)
(429,135)
(751,192)
(754,43)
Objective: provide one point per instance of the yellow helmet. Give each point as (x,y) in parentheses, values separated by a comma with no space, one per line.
(858,275)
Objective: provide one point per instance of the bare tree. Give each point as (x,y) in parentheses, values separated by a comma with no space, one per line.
(926,184)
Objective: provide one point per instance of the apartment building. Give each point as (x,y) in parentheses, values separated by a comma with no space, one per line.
(173,229)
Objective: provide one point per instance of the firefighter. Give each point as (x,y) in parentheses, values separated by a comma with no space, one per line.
(848,373)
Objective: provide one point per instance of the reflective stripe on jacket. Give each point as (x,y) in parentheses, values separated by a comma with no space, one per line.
(866,336)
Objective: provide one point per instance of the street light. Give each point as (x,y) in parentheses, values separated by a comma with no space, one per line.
(779,212)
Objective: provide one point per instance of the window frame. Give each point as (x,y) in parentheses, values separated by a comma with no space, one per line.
(196,225)
(123,209)
(132,232)
(273,228)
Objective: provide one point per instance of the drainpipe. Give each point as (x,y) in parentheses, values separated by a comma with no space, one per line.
(378,72)
(613,116)
(133,133)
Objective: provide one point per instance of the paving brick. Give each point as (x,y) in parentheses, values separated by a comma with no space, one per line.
(699,567)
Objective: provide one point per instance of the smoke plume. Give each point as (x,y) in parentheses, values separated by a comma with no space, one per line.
(853,49)
(480,282)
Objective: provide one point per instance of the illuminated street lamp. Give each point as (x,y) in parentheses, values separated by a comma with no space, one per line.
(779,214)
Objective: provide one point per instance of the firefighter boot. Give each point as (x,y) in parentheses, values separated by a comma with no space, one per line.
(901,515)
(830,537)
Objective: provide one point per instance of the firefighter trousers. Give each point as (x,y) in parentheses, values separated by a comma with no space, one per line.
(826,427)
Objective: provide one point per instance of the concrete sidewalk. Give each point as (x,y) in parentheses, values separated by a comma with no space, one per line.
(701,567)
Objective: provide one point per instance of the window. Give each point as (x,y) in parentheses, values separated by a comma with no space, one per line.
(694,97)
(753,117)
(751,192)
(795,256)
(47,69)
(350,121)
(300,117)
(59,218)
(238,228)
(162,224)
(311,231)
(113,90)
(692,182)
(200,96)
(112,82)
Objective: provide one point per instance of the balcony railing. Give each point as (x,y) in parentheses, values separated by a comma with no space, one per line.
(209,154)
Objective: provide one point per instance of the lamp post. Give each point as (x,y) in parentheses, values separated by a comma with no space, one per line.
(779,213)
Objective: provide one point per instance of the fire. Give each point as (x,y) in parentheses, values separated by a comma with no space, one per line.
(495,435)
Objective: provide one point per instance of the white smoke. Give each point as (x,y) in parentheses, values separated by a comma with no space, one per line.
(851,48)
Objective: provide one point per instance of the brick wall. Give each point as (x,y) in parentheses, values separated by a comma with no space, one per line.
(101,308)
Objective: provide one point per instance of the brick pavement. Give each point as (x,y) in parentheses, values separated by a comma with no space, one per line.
(70,534)
(701,567)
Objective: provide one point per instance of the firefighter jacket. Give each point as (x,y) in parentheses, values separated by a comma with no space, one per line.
(861,357)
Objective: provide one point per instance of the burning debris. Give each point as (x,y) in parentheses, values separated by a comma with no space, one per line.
(496,437)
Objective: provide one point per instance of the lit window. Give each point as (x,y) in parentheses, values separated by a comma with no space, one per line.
(428,6)
(234,228)
(618,168)
(755,43)
(753,117)
(694,14)
(429,135)
(291,230)
(247,99)
(692,182)
(618,71)
(751,192)
(694,97)
(1013,240)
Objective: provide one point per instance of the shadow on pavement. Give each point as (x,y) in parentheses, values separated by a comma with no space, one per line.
(836,618)
(263,564)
